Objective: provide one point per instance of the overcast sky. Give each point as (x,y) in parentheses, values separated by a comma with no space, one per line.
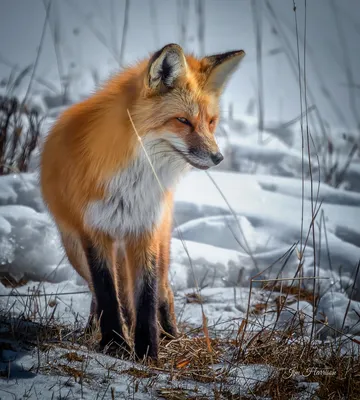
(80,27)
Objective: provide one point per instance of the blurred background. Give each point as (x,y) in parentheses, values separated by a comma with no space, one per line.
(70,46)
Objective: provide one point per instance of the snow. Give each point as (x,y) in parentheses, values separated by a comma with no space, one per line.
(240,220)
(263,224)
(102,380)
(21,189)
(228,241)
(30,245)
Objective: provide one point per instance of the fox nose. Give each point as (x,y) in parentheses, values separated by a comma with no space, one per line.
(216,158)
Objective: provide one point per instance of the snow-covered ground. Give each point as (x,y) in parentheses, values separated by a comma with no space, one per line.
(232,225)
(240,220)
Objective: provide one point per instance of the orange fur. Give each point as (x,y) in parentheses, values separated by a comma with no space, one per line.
(94,140)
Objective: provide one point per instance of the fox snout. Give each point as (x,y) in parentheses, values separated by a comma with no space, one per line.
(204,159)
(217,157)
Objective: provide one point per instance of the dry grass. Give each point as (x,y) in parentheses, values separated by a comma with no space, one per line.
(277,388)
(19,135)
(190,358)
(294,291)
(338,375)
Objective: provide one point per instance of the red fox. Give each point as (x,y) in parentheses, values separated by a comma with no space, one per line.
(114,217)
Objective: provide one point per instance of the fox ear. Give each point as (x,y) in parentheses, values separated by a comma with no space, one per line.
(221,67)
(165,66)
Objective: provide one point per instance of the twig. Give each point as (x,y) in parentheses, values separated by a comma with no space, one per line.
(257,19)
(44,294)
(38,52)
(124,33)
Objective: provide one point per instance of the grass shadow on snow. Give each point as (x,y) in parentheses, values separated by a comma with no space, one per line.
(244,360)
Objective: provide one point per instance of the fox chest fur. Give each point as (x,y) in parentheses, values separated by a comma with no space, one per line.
(134,196)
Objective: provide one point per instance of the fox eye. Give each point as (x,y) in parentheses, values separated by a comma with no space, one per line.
(211,121)
(184,121)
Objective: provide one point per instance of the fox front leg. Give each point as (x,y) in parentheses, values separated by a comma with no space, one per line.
(143,256)
(100,258)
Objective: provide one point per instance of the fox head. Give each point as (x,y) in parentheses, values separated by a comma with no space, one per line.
(179,107)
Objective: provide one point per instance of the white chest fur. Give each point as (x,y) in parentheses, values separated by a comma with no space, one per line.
(134,201)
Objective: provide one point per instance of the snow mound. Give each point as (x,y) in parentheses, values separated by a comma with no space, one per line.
(21,189)
(29,246)
(228,227)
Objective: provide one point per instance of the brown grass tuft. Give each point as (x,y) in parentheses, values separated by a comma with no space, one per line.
(198,357)
(19,135)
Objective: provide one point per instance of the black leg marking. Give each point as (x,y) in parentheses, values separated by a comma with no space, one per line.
(166,320)
(106,299)
(146,330)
